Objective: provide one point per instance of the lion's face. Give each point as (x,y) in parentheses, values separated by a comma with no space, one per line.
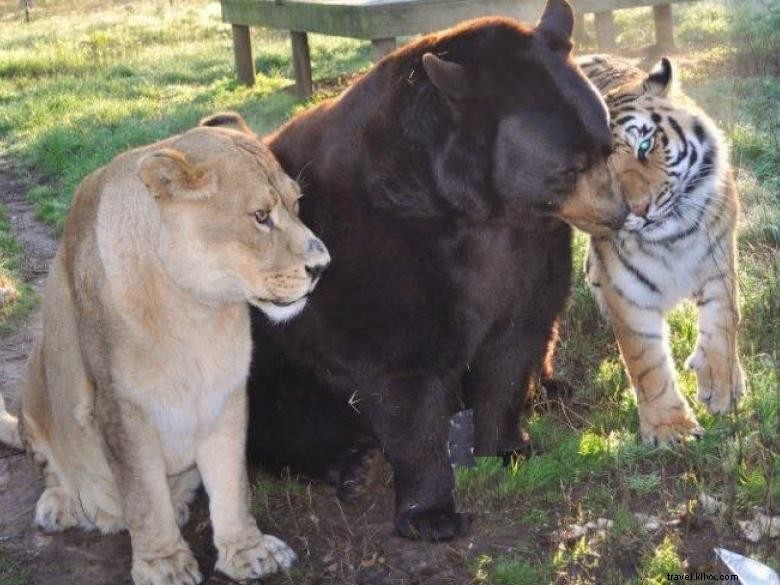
(230,229)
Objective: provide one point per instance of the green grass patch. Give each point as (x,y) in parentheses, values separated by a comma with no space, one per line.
(74,92)
(11,573)
(16,297)
(511,571)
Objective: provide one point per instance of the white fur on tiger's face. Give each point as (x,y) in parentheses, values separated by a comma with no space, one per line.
(678,242)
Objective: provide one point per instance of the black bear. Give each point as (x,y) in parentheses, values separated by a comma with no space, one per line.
(440,182)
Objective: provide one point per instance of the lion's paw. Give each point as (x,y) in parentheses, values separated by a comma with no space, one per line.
(255,559)
(182,512)
(180,568)
(668,426)
(56,510)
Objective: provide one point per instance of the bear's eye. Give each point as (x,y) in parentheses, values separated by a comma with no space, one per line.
(644,147)
(263,218)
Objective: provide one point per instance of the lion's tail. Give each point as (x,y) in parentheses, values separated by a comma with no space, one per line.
(9,427)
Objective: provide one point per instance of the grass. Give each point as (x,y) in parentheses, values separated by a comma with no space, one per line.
(16,297)
(117,78)
(11,573)
(77,86)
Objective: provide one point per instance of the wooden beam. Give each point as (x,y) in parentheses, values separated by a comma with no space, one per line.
(381,47)
(242,49)
(376,19)
(605,31)
(664,27)
(302,64)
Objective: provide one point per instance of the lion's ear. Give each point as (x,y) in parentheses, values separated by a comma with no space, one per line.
(231,120)
(168,174)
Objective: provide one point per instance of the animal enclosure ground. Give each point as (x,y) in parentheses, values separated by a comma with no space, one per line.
(83,81)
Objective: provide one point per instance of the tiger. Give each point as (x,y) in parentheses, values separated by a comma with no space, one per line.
(678,242)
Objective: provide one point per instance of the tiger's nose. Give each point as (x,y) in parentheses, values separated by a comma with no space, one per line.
(640,208)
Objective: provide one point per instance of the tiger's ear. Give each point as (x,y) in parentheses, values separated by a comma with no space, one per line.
(169,175)
(661,79)
(232,120)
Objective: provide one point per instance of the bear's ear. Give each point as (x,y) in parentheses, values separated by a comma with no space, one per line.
(232,120)
(661,79)
(168,175)
(557,25)
(449,78)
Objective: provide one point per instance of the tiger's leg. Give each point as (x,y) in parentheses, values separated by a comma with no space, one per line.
(664,414)
(596,280)
(715,359)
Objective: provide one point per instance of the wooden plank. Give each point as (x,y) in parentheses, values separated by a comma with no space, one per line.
(242,50)
(605,31)
(302,64)
(381,47)
(374,19)
(664,27)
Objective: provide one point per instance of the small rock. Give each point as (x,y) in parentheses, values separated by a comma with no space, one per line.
(710,506)
(762,526)
(648,522)
(575,531)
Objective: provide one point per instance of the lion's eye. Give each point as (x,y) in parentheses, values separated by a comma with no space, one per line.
(644,147)
(263,217)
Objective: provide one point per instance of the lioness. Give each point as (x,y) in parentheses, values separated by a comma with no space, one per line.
(136,390)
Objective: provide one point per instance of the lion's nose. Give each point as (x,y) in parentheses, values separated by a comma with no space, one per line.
(316,246)
(315,270)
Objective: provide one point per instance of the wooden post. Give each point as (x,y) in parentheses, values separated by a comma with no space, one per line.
(242,49)
(26,6)
(381,47)
(664,27)
(302,64)
(605,30)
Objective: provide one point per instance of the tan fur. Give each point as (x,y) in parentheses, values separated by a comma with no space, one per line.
(596,206)
(691,254)
(136,389)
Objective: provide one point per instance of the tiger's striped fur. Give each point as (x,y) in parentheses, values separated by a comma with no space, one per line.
(678,243)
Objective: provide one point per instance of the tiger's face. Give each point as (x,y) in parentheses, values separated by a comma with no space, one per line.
(663,152)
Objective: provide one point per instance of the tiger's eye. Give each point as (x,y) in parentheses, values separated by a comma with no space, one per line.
(644,148)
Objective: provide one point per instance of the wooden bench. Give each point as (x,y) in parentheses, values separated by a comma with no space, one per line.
(382,21)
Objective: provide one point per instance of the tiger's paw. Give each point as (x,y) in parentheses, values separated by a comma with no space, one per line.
(721,381)
(668,426)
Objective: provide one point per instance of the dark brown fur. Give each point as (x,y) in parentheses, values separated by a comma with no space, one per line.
(436,200)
